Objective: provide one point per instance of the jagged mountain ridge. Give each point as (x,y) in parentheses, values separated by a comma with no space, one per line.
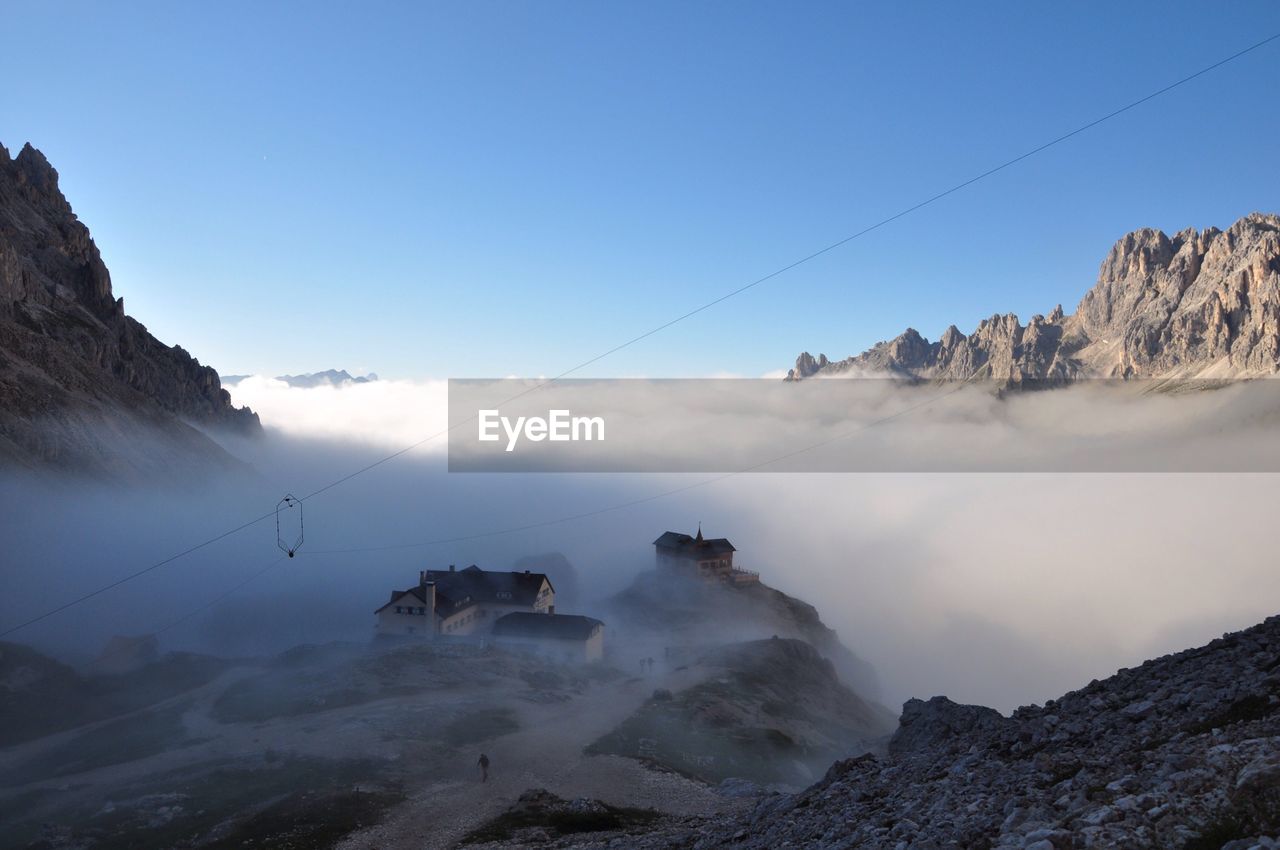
(83,385)
(327,378)
(1199,305)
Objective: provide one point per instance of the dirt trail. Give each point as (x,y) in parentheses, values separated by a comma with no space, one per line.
(545,753)
(445,798)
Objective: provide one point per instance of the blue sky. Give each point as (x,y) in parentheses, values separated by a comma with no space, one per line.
(480,189)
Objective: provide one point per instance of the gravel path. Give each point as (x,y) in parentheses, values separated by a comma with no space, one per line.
(545,753)
(445,798)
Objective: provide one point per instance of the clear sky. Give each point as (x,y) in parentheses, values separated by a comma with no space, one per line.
(477,189)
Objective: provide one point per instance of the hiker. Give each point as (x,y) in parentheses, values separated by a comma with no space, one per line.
(483,764)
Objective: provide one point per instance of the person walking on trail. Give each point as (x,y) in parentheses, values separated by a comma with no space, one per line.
(483,764)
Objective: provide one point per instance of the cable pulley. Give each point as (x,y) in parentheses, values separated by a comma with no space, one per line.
(285,524)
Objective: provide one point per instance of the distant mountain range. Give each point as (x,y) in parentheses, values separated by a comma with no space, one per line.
(84,387)
(1196,306)
(327,378)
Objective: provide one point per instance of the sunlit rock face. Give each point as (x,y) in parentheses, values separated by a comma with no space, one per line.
(1199,305)
(82,385)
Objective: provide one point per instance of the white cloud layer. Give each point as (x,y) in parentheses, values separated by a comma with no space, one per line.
(988,587)
(387,414)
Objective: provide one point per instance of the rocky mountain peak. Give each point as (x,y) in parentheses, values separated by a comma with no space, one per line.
(73,366)
(807,365)
(46,255)
(1202,304)
(35,171)
(951,337)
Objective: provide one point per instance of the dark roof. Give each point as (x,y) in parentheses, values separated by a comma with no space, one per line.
(683,544)
(415,592)
(476,585)
(558,626)
(456,590)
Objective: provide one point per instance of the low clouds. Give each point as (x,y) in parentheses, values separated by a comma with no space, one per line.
(388,414)
(874,425)
(988,587)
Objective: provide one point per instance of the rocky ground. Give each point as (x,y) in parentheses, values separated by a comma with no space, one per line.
(322,746)
(773,711)
(1181,752)
(364,748)
(672,614)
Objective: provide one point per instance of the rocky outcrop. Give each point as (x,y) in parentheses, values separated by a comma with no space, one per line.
(1200,305)
(82,385)
(1181,752)
(771,711)
(941,724)
(689,615)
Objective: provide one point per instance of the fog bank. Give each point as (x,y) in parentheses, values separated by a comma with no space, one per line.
(994,588)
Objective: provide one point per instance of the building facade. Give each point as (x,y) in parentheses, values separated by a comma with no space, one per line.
(560,637)
(706,558)
(463,602)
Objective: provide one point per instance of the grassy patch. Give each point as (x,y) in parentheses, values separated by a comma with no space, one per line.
(115,742)
(544,811)
(306,821)
(289,803)
(43,696)
(307,680)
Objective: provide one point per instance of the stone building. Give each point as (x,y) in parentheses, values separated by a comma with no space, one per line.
(707,558)
(463,602)
(562,637)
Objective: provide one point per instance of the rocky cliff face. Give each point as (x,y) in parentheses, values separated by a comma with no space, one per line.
(83,386)
(1181,752)
(690,614)
(1200,305)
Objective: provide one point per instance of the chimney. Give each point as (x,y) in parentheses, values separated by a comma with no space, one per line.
(429,594)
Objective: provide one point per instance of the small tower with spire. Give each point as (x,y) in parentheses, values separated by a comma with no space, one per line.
(705,557)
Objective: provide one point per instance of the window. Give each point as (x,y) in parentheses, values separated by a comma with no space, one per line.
(399,610)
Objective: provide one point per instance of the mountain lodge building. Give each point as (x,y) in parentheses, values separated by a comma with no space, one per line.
(564,637)
(708,558)
(463,602)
